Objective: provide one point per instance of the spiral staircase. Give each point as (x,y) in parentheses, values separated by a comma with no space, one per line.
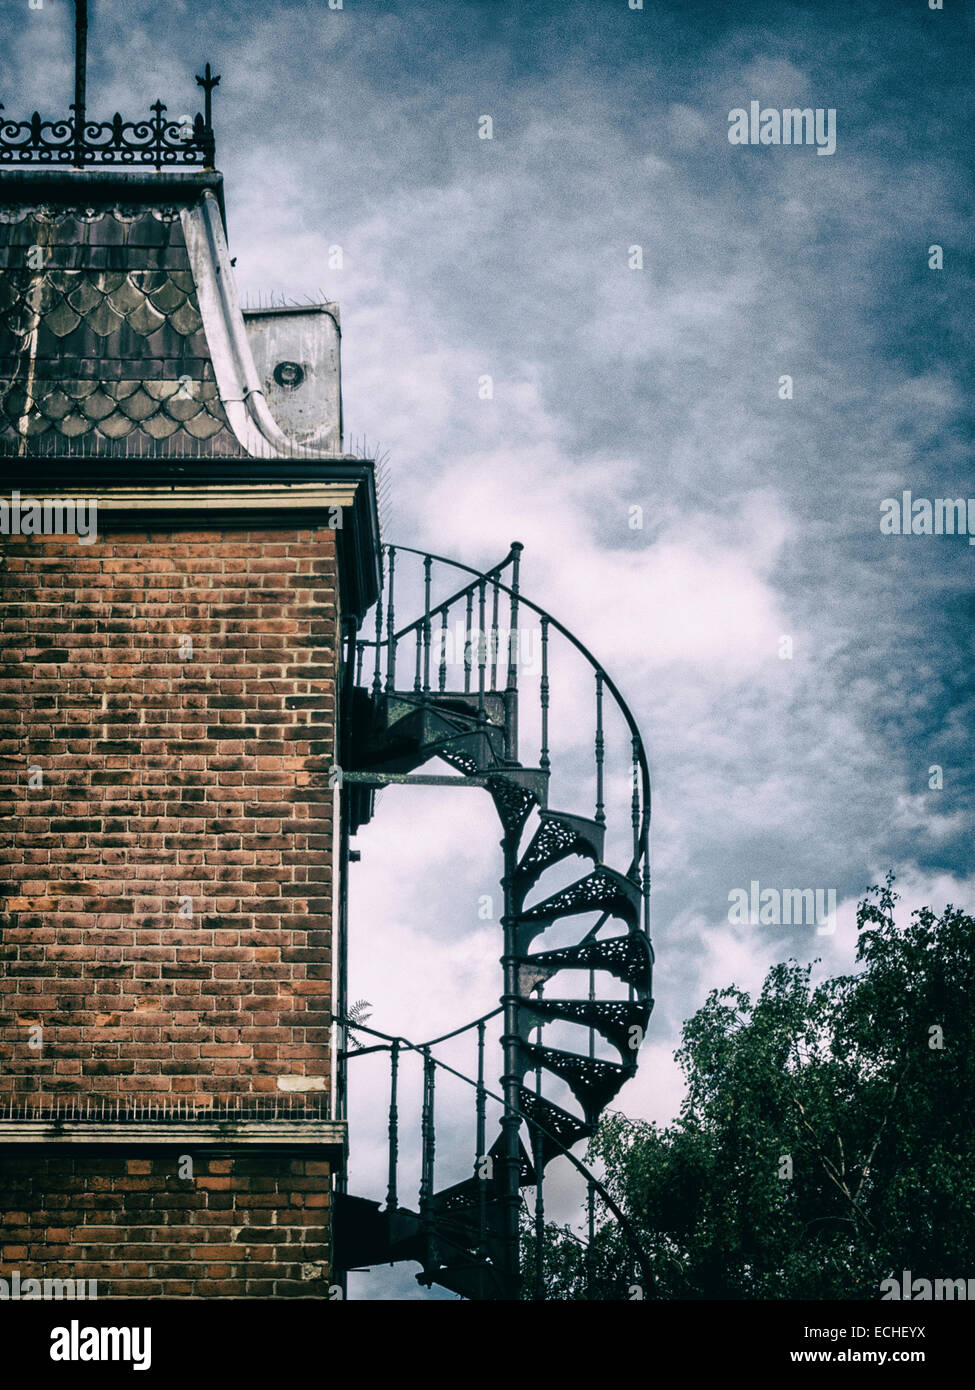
(413,699)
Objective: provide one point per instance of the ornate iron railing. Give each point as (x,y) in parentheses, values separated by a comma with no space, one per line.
(485,660)
(398,1049)
(460,682)
(158,141)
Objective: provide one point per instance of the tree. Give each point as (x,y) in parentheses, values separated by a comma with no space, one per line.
(826,1141)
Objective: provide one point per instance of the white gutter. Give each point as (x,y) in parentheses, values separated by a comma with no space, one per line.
(223,323)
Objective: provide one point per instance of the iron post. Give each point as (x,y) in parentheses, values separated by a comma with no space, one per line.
(511,1079)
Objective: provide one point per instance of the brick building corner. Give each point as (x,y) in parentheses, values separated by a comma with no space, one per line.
(173,691)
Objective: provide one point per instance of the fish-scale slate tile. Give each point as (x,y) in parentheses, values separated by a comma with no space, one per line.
(104,336)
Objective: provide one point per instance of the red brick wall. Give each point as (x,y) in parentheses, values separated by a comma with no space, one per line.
(246,1225)
(166,779)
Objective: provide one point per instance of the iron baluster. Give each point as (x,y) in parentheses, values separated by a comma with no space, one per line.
(360,651)
(481,648)
(592,1000)
(495,636)
(511,688)
(392,1200)
(427,566)
(645,847)
(635,811)
(391,625)
(538,1043)
(417,682)
(481,1093)
(538,1158)
(377,682)
(442,674)
(635,818)
(468,640)
(544,761)
(480,1142)
(510,1080)
(600,751)
(429,1137)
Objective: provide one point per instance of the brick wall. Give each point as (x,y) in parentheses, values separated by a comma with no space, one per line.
(194,785)
(246,1225)
(167,881)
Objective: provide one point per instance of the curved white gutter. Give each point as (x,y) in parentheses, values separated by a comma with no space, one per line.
(223,323)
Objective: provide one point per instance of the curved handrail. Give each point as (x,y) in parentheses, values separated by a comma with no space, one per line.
(489,575)
(444,1037)
(607,680)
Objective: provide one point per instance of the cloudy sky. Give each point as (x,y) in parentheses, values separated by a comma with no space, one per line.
(618,388)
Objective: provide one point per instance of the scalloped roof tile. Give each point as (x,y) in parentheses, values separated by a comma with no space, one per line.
(101,333)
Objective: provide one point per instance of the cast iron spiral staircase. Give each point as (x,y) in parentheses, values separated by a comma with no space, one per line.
(461,704)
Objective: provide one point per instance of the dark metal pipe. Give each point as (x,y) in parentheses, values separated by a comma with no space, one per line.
(391,625)
(510,1080)
(392,1199)
(427,566)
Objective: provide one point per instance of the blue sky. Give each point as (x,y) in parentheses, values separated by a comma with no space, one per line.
(617,388)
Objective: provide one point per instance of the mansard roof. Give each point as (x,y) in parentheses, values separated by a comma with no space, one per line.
(126,361)
(120,327)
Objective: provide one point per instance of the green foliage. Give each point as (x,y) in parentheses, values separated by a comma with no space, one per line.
(357,1015)
(845,1087)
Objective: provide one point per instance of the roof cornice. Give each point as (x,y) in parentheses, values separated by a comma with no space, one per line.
(27,187)
(221,493)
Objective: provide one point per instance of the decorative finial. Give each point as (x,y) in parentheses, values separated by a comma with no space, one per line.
(207,82)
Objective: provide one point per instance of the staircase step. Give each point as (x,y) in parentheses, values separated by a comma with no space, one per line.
(364,1235)
(409,728)
(470,753)
(476,1280)
(558,1123)
(558,835)
(443,704)
(459,1229)
(603,890)
(464,1196)
(516,792)
(628,957)
(592,1081)
(614,1018)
